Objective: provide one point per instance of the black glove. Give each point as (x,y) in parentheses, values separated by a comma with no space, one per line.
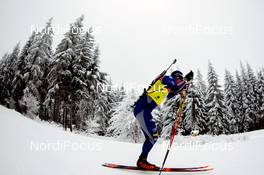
(189,76)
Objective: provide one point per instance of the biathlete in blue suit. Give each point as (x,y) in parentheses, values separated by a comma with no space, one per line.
(165,88)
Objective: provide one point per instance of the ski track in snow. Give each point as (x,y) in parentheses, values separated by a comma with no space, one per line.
(234,154)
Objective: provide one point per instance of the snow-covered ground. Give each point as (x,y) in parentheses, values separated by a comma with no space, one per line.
(34,148)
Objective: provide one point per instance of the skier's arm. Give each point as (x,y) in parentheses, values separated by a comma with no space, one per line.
(168,82)
(175,88)
(179,87)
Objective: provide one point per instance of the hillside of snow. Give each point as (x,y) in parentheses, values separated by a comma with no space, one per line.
(35,148)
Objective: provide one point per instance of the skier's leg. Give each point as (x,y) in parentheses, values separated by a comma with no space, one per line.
(149,128)
(147,146)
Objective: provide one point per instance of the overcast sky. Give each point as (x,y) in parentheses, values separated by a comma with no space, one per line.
(139,38)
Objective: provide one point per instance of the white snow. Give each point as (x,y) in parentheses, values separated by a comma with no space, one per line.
(236,154)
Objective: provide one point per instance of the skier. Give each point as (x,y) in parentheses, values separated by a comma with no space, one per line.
(165,87)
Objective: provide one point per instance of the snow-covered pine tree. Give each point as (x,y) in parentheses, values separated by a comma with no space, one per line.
(21,79)
(38,60)
(168,111)
(2,79)
(95,77)
(91,111)
(246,120)
(60,99)
(90,80)
(85,121)
(75,77)
(260,98)
(157,115)
(217,112)
(252,98)
(31,104)
(81,66)
(3,61)
(195,112)
(239,94)
(7,75)
(123,123)
(31,69)
(103,100)
(200,84)
(231,101)
(117,93)
(47,55)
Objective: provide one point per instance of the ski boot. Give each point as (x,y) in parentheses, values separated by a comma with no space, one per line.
(142,163)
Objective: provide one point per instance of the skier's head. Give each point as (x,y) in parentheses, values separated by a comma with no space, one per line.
(177,75)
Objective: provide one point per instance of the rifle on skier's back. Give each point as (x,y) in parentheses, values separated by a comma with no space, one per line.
(160,75)
(155,80)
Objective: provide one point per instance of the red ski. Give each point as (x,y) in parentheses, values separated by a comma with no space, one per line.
(190,169)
